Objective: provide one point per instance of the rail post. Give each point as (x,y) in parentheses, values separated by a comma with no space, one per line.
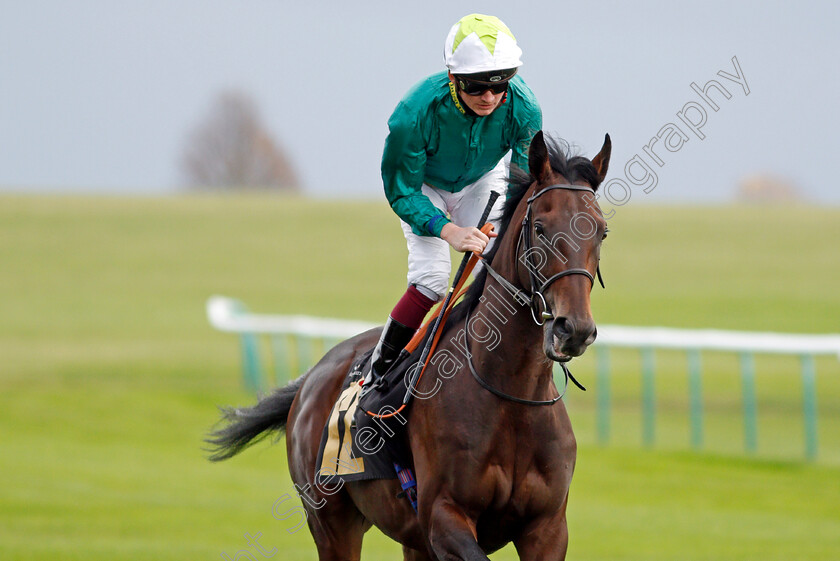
(648,397)
(695,398)
(251,364)
(809,405)
(748,391)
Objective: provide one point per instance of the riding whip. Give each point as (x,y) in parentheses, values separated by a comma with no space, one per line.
(416,372)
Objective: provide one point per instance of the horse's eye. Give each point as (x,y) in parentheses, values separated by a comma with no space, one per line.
(605,234)
(538,228)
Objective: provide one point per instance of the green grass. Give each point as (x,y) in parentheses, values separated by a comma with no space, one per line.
(109,375)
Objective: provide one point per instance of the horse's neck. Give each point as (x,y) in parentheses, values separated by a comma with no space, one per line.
(507,344)
(504,337)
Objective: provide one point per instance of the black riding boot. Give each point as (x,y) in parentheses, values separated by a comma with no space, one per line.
(395,336)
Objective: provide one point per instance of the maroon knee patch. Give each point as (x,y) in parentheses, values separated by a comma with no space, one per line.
(412,308)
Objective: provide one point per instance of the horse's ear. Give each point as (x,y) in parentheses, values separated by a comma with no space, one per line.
(602,160)
(538,163)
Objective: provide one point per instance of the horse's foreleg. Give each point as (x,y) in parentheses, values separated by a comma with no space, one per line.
(544,539)
(410,554)
(452,533)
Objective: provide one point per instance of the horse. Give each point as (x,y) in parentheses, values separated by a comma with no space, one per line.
(491,441)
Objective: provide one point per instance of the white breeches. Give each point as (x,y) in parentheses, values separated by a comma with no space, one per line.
(429,262)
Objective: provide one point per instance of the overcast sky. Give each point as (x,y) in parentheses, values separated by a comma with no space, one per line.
(101,95)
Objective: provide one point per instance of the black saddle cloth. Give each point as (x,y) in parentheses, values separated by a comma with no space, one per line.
(356,445)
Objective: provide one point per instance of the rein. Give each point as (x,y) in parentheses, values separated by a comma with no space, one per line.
(499,393)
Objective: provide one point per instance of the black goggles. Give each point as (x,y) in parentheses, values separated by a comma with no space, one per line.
(474,87)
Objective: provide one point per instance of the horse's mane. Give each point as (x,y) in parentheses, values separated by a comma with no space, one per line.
(563,161)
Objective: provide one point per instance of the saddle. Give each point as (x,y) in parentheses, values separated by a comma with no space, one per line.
(365,435)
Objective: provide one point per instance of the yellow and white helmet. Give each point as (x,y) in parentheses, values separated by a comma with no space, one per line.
(481,44)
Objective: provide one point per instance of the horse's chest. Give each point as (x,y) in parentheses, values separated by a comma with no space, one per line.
(530,487)
(515,467)
(534,481)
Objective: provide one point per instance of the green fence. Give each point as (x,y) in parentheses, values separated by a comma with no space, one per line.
(295,343)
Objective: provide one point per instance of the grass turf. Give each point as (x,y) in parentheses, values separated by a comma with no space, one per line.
(110,375)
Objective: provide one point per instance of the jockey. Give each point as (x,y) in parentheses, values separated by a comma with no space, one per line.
(444,154)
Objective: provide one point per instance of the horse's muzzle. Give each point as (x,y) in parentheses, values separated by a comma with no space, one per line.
(566,338)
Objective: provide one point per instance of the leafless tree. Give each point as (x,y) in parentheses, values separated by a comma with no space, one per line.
(231,149)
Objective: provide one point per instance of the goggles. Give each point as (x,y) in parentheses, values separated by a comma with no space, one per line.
(470,87)
(477,84)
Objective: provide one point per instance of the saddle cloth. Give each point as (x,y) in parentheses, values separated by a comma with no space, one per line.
(356,445)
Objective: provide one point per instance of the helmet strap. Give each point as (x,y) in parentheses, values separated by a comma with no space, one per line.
(453,90)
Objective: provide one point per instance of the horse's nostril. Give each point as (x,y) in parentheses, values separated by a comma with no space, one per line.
(574,332)
(563,327)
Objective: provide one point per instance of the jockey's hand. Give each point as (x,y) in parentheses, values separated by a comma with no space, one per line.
(465,239)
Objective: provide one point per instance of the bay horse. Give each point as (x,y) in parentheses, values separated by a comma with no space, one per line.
(492,467)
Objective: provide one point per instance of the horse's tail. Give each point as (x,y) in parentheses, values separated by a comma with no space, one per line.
(249,425)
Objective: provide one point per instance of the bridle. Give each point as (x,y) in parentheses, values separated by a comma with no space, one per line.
(536,298)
